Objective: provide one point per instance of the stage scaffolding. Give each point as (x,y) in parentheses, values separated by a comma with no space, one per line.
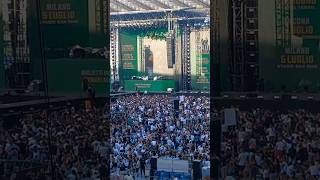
(183,18)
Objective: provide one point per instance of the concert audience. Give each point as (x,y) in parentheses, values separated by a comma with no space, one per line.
(263,145)
(145,125)
(79,144)
(272,145)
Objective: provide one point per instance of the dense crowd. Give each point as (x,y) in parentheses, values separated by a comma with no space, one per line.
(146,125)
(272,145)
(79,144)
(263,145)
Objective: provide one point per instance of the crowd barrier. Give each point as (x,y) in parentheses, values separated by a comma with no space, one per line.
(241,102)
(272,104)
(164,175)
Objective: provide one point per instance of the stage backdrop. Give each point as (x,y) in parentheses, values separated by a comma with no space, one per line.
(289,45)
(143,52)
(152,57)
(66,75)
(200,59)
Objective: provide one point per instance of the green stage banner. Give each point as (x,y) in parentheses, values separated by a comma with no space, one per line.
(200,59)
(143,52)
(150,85)
(299,55)
(289,45)
(67,75)
(65,23)
(128,55)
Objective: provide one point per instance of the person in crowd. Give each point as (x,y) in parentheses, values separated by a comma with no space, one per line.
(142,166)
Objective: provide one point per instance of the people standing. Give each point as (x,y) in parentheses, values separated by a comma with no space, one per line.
(142,166)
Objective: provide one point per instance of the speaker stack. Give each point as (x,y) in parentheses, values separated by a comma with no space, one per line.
(170,50)
(197,170)
(153,170)
(176,107)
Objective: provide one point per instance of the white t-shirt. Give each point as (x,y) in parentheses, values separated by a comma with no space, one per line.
(171,128)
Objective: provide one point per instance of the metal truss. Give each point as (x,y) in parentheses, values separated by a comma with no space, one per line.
(214,47)
(142,5)
(16,49)
(283,28)
(245,58)
(113,54)
(172,14)
(139,18)
(186,61)
(159,18)
(251,45)
(238,61)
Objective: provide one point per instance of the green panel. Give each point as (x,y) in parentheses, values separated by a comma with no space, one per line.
(128,66)
(96,40)
(201,81)
(200,64)
(306,14)
(299,67)
(129,55)
(66,75)
(2,81)
(100,22)
(295,63)
(66,20)
(65,24)
(150,86)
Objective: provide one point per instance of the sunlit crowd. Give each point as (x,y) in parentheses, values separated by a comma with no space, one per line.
(146,125)
(262,145)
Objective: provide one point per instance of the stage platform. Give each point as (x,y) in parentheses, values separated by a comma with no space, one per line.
(149,85)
